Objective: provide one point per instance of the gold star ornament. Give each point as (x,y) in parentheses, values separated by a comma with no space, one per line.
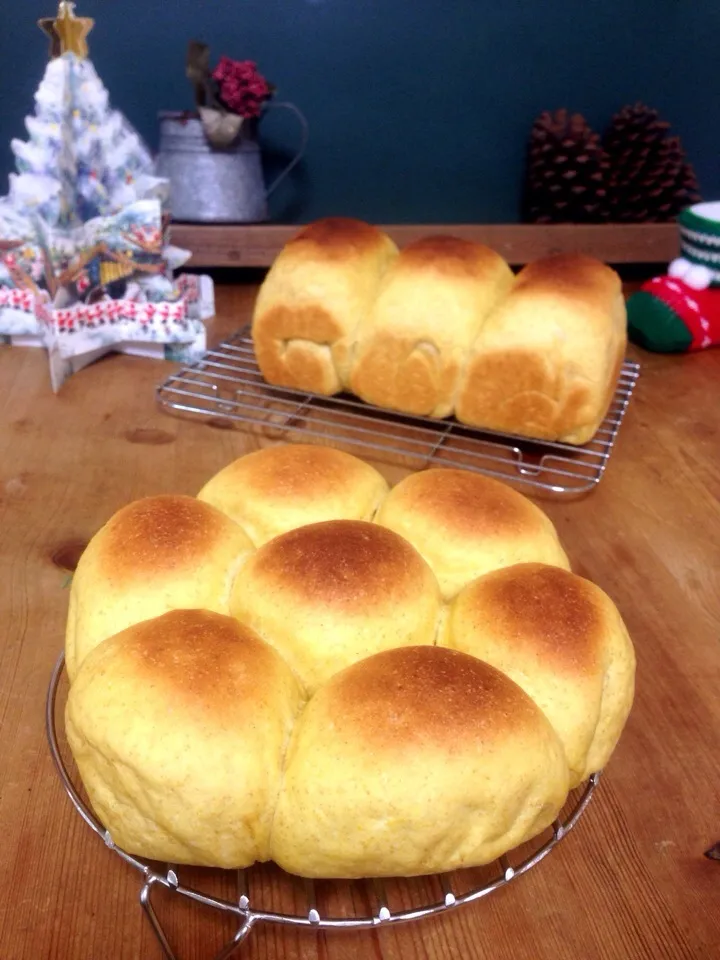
(68,33)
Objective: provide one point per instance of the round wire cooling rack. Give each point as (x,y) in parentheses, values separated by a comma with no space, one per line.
(388,901)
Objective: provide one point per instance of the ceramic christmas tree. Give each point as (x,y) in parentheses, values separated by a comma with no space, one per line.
(83,159)
(85,263)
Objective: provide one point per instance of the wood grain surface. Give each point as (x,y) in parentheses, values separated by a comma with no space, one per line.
(630,882)
(257,245)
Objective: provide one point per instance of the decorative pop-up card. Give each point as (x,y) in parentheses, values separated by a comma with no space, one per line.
(86,266)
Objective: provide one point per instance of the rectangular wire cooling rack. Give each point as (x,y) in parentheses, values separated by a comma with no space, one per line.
(226,388)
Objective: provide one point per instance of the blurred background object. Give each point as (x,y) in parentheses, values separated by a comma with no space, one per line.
(419,112)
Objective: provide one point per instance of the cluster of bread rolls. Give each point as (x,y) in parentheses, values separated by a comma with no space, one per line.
(301,664)
(443,328)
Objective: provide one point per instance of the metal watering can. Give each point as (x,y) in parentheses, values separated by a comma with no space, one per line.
(211,185)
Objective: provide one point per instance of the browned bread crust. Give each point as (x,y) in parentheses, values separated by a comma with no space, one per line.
(444,328)
(317,291)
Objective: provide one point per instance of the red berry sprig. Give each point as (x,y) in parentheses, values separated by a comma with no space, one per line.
(241,87)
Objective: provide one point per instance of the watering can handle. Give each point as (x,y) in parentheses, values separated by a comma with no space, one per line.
(305,132)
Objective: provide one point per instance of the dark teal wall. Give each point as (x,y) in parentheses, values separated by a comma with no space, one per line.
(419,109)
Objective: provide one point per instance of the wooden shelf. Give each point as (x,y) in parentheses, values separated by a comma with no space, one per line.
(257,245)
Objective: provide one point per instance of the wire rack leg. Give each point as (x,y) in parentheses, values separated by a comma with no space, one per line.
(237,940)
(227,951)
(153,918)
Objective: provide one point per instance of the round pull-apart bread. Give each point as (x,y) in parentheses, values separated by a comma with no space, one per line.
(300,701)
(562,640)
(279,488)
(157,554)
(465,524)
(329,594)
(414,761)
(179,727)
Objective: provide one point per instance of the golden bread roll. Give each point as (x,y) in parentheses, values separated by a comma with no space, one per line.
(436,736)
(319,287)
(157,554)
(414,342)
(282,487)
(178,726)
(413,761)
(465,524)
(548,356)
(328,594)
(563,641)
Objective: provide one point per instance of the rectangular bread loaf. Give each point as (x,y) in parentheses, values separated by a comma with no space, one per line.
(321,285)
(410,349)
(444,328)
(547,358)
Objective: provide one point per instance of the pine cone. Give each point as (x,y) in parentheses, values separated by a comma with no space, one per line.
(650,178)
(567,171)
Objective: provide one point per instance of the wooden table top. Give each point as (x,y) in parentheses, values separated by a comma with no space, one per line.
(630,882)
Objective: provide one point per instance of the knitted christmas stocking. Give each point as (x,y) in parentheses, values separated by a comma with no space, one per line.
(681,311)
(669,316)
